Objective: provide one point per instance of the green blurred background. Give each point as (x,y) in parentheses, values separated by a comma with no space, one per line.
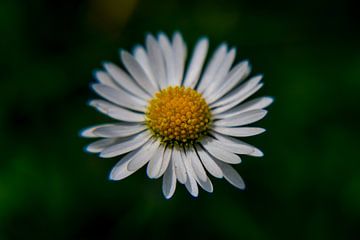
(306,187)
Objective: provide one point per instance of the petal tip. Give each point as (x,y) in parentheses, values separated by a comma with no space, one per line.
(95,73)
(168,196)
(105,155)
(204,40)
(106,64)
(177,33)
(91,103)
(86,133)
(270,99)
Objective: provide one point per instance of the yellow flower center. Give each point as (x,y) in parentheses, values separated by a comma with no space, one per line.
(178,115)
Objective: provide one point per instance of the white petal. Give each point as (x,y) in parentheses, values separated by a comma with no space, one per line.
(89,132)
(212,67)
(238,92)
(220,152)
(146,153)
(137,72)
(165,162)
(118,130)
(100,145)
(125,81)
(209,163)
(104,78)
(258,103)
(257,153)
(242,118)
(157,61)
(234,77)
(169,181)
(179,49)
(235,148)
(196,165)
(235,145)
(120,97)
(239,132)
(207,185)
(219,78)
(154,166)
(142,58)
(168,54)
(126,145)
(198,171)
(190,183)
(237,101)
(120,170)
(117,112)
(180,170)
(196,63)
(231,175)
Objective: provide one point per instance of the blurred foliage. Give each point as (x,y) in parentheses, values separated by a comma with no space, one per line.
(306,187)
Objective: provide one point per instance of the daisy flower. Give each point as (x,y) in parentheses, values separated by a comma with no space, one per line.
(183,122)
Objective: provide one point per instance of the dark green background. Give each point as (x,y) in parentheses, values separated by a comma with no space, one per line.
(306,187)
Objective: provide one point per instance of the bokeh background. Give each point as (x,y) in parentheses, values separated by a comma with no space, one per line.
(306,187)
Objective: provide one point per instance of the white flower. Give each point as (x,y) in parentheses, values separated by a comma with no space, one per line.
(181,123)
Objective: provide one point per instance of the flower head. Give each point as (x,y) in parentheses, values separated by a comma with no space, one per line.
(182,123)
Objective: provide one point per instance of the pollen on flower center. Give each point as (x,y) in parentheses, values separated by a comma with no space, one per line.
(178,115)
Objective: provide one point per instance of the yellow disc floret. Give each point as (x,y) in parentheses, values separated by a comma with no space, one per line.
(178,115)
